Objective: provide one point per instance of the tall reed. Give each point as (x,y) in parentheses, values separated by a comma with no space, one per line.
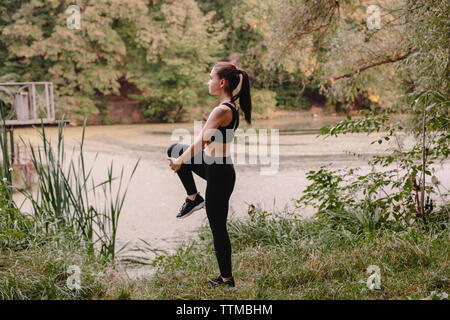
(5,164)
(62,199)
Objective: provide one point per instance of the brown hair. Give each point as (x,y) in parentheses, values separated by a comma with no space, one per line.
(229,72)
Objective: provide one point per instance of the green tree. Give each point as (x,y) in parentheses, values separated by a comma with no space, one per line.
(240,35)
(246,24)
(407,53)
(83,64)
(177,80)
(428,29)
(164,48)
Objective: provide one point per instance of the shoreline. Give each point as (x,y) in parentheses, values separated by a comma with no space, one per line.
(314,111)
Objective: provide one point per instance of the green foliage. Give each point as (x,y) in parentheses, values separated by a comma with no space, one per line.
(408,53)
(41,272)
(165,49)
(81,63)
(327,191)
(428,29)
(244,24)
(289,97)
(431,108)
(395,191)
(334,193)
(372,121)
(178,78)
(365,216)
(161,48)
(240,36)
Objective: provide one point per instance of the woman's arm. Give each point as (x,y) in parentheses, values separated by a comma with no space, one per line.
(215,119)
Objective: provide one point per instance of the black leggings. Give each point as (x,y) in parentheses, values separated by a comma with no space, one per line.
(221,177)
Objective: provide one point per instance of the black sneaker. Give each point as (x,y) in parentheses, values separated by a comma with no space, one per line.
(189,206)
(219,281)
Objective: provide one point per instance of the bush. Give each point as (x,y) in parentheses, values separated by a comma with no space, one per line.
(400,192)
(288,98)
(365,216)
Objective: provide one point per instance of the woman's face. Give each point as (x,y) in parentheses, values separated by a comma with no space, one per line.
(215,84)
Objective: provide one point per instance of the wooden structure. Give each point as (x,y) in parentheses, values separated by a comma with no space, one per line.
(31,103)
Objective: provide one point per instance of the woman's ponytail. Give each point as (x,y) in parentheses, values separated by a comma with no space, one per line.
(245,100)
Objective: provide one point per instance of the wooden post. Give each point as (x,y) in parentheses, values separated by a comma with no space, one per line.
(17,156)
(47,102)
(30,99)
(33,93)
(52,101)
(20,105)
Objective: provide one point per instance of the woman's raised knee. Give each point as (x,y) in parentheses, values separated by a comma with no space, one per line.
(176,150)
(169,150)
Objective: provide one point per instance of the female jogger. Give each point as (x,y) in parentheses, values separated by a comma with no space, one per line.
(214,164)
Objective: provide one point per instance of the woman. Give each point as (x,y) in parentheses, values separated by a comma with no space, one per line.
(214,164)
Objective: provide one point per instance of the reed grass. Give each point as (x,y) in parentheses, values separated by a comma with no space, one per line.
(5,164)
(62,200)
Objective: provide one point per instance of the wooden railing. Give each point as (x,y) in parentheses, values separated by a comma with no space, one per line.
(29,100)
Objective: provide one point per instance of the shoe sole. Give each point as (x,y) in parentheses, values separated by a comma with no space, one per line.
(211,284)
(198,207)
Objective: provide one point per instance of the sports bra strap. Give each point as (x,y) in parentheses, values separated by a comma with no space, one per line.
(234,117)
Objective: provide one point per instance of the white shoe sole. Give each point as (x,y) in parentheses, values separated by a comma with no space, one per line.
(198,207)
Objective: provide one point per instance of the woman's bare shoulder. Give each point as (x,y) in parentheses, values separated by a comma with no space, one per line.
(221,112)
(225,107)
(218,111)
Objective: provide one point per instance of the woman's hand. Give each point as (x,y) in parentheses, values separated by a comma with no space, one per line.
(174,163)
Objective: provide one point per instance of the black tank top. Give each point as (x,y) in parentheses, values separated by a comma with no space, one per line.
(220,137)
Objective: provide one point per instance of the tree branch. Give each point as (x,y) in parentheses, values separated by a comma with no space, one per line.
(372,65)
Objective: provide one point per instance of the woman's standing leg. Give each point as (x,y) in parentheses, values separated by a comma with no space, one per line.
(221,179)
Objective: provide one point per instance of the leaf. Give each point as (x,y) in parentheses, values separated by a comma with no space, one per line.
(434,180)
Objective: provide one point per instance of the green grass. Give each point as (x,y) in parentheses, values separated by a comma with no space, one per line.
(41,272)
(274,257)
(285,258)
